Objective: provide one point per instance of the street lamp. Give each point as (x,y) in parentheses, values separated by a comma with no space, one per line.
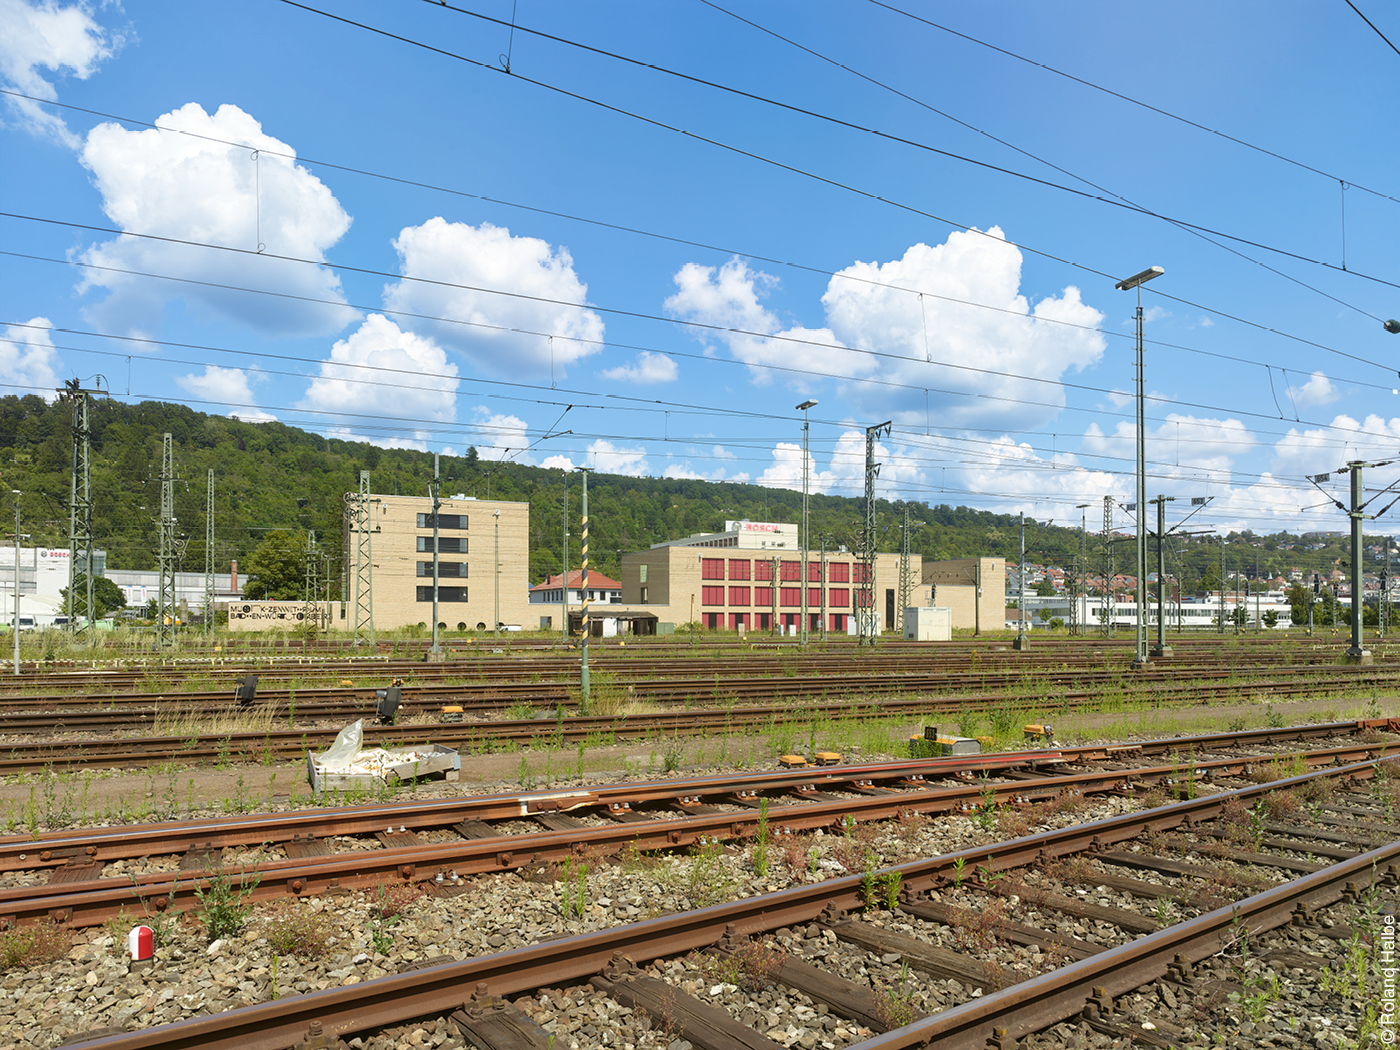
(496,590)
(15,629)
(803,408)
(1129,284)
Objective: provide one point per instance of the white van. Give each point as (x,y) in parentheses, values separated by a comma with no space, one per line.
(26,623)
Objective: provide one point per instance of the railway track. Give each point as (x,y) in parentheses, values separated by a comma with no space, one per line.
(500,833)
(810,931)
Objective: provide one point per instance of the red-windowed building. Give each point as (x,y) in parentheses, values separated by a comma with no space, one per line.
(751,577)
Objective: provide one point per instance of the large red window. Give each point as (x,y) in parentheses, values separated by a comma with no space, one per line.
(814,572)
(738,568)
(712,568)
(814,597)
(792,570)
(711,595)
(838,597)
(763,596)
(839,571)
(763,570)
(738,596)
(790,596)
(859,573)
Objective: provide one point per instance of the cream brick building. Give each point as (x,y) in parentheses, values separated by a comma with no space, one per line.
(483,560)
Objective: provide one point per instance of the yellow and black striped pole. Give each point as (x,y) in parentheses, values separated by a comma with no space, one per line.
(583,677)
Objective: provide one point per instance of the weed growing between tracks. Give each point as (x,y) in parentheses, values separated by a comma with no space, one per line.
(26,946)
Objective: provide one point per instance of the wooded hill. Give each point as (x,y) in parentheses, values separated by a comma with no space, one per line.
(269,476)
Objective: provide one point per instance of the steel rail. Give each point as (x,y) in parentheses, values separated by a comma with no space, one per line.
(386,1001)
(506,685)
(91,902)
(19,852)
(68,754)
(177,835)
(1050,998)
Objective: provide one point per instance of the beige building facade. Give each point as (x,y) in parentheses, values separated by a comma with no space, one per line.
(483,562)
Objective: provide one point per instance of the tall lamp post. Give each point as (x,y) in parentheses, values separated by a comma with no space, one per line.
(804,408)
(14,630)
(1128,284)
(496,589)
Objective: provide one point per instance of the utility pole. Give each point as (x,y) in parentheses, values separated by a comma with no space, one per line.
(496,589)
(165,606)
(363,588)
(906,584)
(312,587)
(583,673)
(867,624)
(436,648)
(1220,629)
(805,538)
(1161,648)
(1080,570)
(823,612)
(1108,567)
(564,578)
(80,510)
(209,557)
(1020,643)
(1355,653)
(14,626)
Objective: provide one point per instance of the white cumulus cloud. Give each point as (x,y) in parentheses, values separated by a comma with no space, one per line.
(1318,390)
(381,368)
(971,313)
(499,435)
(54,38)
(29,360)
(193,189)
(607,458)
(510,305)
(228,387)
(649,368)
(728,299)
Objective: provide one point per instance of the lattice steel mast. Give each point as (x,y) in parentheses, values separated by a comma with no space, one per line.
(80,611)
(165,611)
(866,620)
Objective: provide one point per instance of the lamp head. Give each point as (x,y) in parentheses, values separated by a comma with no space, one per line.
(1392,326)
(1129,283)
(813,403)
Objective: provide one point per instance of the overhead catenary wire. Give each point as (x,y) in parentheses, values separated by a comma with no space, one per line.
(836,183)
(777,337)
(804,267)
(1129,99)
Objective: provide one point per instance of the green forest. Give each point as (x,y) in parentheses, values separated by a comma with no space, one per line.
(269,477)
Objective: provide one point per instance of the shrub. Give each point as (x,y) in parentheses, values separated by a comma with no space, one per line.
(294,929)
(32,945)
(391,901)
(222,908)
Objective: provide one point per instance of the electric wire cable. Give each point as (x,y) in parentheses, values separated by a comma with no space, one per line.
(868,194)
(825,272)
(873,381)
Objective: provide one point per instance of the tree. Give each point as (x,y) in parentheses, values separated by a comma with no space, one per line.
(277,568)
(106,596)
(1271,619)
(1045,589)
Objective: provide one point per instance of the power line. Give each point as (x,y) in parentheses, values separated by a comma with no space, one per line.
(825,272)
(1373,26)
(631,114)
(1026,153)
(639,315)
(1133,101)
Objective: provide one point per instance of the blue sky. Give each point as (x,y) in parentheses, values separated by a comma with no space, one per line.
(591,260)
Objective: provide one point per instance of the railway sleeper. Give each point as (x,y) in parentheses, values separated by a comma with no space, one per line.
(705,1026)
(847,998)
